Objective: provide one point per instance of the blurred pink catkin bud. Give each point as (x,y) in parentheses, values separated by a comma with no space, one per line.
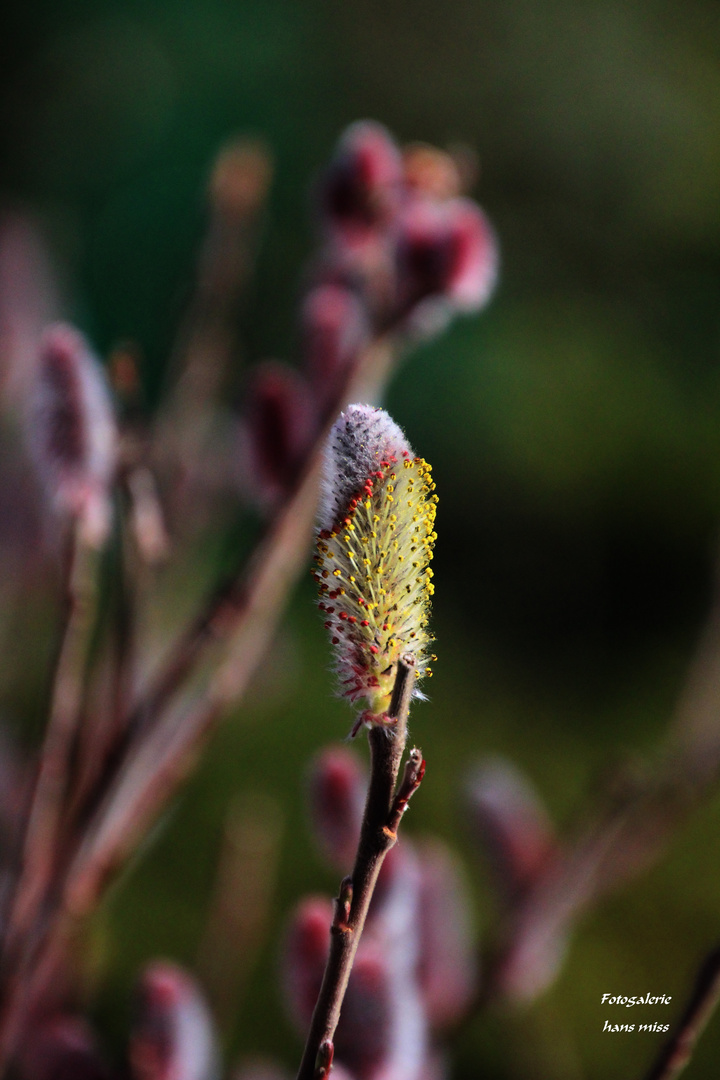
(447,968)
(173,1037)
(362,187)
(307,942)
(446,259)
(392,939)
(364,1035)
(382,1033)
(537,945)
(281,419)
(511,823)
(336,787)
(61,1048)
(334,329)
(72,431)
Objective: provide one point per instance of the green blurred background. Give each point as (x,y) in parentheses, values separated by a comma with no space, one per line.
(573,428)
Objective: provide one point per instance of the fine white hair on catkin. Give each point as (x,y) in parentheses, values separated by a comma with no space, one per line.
(362,437)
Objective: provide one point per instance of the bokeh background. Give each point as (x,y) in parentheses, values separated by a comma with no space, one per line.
(573,428)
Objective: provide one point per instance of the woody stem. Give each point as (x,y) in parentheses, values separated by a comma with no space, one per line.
(377,837)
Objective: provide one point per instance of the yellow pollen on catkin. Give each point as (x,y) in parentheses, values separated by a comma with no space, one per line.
(383,614)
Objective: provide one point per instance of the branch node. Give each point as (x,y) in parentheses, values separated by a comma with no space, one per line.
(343,904)
(412,778)
(324,1060)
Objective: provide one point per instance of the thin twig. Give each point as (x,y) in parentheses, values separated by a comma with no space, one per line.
(242,610)
(678,1050)
(160,757)
(207,339)
(41,832)
(241,907)
(156,751)
(102,730)
(376,839)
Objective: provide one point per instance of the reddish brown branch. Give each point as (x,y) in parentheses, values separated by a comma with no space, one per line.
(156,751)
(40,838)
(242,611)
(678,1050)
(353,902)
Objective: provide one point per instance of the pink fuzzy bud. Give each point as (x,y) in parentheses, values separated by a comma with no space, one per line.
(377,518)
(335,328)
(511,823)
(364,1035)
(307,943)
(61,1048)
(382,1033)
(362,187)
(280,424)
(537,947)
(173,1037)
(446,252)
(447,966)
(337,787)
(392,942)
(73,431)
